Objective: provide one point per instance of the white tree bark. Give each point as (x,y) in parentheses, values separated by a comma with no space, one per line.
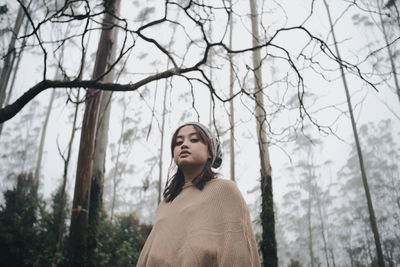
(10,56)
(268,242)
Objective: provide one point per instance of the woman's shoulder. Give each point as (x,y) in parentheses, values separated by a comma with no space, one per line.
(221,182)
(224,187)
(224,183)
(225,196)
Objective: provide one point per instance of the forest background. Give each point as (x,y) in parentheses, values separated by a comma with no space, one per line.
(82,169)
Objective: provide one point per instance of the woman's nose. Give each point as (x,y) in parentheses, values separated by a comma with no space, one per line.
(184,145)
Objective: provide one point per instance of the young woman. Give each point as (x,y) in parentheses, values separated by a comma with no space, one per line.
(203,220)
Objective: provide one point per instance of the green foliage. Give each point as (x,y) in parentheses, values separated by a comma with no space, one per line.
(52,225)
(120,243)
(20,226)
(29,232)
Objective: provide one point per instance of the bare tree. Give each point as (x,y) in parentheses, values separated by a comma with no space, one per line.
(191,70)
(389,50)
(9,58)
(61,214)
(268,242)
(99,156)
(320,207)
(372,217)
(383,21)
(36,175)
(15,71)
(80,206)
(160,164)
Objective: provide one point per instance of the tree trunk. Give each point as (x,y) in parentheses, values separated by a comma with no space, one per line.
(19,57)
(372,218)
(315,196)
(63,199)
(164,112)
(268,242)
(115,177)
(309,229)
(322,220)
(99,157)
(10,56)
(231,104)
(309,209)
(115,180)
(80,208)
(36,176)
(60,215)
(97,183)
(391,57)
(332,257)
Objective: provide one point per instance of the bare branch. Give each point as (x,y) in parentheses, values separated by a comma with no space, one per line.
(11,110)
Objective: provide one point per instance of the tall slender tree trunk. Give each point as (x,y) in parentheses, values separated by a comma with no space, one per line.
(99,156)
(10,56)
(231,104)
(314,195)
(268,242)
(80,208)
(368,243)
(322,220)
(36,177)
(390,54)
(372,218)
(63,200)
(116,176)
(61,216)
(309,209)
(351,258)
(309,229)
(97,183)
(160,166)
(15,71)
(332,257)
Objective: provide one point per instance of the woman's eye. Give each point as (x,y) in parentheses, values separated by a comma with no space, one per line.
(178,143)
(194,140)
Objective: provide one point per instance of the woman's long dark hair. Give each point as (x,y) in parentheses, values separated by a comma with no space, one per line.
(174,184)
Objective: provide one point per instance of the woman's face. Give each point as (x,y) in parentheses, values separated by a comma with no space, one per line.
(190,150)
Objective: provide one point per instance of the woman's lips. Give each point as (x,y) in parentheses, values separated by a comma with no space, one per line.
(184,153)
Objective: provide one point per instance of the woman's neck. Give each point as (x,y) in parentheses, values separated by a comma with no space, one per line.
(192,172)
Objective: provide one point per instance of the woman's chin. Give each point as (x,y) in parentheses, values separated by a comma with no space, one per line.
(183,163)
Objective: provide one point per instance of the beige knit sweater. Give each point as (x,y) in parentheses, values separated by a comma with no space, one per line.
(202,229)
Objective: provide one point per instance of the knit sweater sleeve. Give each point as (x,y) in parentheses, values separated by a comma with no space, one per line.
(240,248)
